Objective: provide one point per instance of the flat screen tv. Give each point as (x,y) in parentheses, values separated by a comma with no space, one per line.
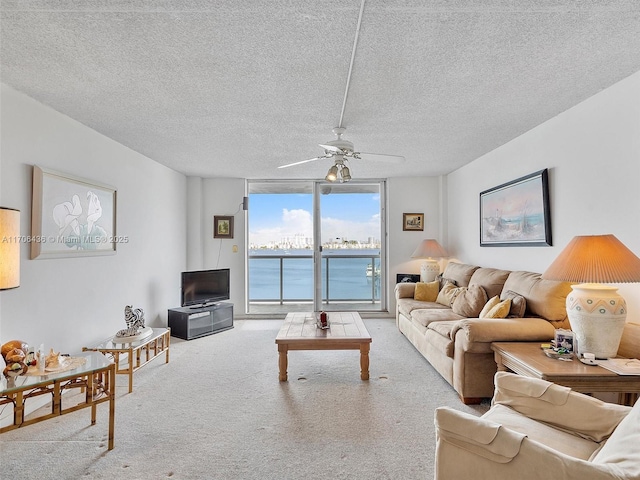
(205,287)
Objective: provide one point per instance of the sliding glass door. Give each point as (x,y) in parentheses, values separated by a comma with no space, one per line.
(315,246)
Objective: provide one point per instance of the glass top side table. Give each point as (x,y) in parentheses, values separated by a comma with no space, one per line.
(95,376)
(131,356)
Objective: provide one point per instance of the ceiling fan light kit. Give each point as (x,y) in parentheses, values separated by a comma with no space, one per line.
(332,174)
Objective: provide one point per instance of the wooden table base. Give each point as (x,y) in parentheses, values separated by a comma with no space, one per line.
(346,332)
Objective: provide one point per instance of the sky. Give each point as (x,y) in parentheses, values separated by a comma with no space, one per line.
(350,216)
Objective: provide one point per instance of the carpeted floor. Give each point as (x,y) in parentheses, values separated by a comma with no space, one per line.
(218,411)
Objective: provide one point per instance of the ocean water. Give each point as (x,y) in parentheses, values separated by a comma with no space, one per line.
(348,280)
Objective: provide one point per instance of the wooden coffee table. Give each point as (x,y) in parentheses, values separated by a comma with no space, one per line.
(528,359)
(346,332)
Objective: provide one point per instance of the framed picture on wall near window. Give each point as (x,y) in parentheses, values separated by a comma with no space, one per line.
(413,221)
(222,226)
(516,213)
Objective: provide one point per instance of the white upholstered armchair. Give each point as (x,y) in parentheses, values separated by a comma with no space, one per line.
(538,430)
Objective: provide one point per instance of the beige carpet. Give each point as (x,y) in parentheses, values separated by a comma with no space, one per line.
(218,411)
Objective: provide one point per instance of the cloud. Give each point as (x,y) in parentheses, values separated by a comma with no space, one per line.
(300,222)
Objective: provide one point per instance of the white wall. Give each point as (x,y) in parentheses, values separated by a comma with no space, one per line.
(223,196)
(411,195)
(592,152)
(68,303)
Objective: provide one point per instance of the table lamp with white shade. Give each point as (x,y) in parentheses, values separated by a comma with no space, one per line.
(9,248)
(597,313)
(429,250)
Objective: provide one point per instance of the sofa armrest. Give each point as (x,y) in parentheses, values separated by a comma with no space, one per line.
(405,290)
(489,440)
(473,447)
(487,330)
(559,406)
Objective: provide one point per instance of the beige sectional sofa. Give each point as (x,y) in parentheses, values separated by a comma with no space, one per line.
(459,346)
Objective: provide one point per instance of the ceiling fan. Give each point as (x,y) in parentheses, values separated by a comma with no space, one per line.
(341,150)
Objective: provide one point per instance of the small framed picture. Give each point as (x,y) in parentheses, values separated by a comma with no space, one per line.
(564,339)
(407,277)
(413,221)
(222,226)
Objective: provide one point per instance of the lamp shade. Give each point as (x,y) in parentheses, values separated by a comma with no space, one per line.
(596,312)
(429,248)
(332,174)
(9,248)
(595,259)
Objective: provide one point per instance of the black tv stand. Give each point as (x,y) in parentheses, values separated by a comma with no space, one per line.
(198,321)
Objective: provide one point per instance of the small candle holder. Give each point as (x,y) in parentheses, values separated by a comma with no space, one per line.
(322,321)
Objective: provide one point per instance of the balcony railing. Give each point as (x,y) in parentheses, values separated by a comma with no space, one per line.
(284,278)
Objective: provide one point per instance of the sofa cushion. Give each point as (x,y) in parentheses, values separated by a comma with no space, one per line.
(518,303)
(408,305)
(469,301)
(447,294)
(559,406)
(491,279)
(438,335)
(460,273)
(553,438)
(427,292)
(444,280)
(425,316)
(545,298)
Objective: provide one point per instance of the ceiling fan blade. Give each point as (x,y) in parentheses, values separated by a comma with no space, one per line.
(331,148)
(383,157)
(301,162)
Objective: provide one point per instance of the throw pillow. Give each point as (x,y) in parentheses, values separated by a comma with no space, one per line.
(469,301)
(447,294)
(501,310)
(427,292)
(444,280)
(518,304)
(488,306)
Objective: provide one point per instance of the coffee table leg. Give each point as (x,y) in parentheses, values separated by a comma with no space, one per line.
(282,362)
(364,361)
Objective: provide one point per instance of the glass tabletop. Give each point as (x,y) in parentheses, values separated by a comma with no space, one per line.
(113,343)
(93,361)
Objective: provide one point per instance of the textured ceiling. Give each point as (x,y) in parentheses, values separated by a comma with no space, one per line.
(236,88)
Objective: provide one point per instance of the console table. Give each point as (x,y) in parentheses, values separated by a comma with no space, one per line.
(138,352)
(96,377)
(528,359)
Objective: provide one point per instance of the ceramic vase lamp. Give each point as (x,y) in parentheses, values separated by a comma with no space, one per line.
(597,313)
(429,249)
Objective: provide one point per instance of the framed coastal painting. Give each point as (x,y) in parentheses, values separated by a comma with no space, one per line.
(413,221)
(516,213)
(222,226)
(71,216)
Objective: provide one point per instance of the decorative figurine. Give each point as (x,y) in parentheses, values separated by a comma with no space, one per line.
(14,354)
(134,318)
